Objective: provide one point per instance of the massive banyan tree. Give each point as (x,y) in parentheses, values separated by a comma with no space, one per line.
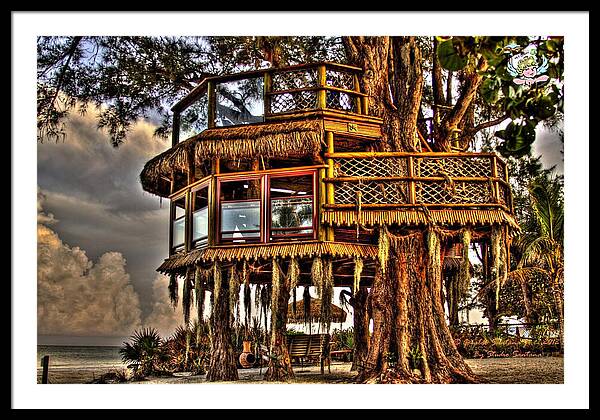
(338,185)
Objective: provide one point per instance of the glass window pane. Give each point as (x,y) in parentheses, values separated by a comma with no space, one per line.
(178,232)
(290,186)
(200,216)
(247,189)
(239,102)
(240,220)
(200,224)
(292,212)
(194,119)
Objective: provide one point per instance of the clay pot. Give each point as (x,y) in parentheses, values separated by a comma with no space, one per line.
(247,358)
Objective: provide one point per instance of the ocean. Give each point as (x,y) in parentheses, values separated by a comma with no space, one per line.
(78,364)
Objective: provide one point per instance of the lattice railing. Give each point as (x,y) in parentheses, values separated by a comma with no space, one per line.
(474,179)
(319,87)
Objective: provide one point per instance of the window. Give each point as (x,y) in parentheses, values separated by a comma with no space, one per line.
(239,102)
(240,210)
(178,220)
(291,206)
(200,216)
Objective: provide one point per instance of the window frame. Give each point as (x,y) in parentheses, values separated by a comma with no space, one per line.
(173,249)
(232,178)
(192,194)
(268,200)
(266,233)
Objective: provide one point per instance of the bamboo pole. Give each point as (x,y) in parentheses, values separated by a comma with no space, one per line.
(321,83)
(357,98)
(363,155)
(495,175)
(330,174)
(412,197)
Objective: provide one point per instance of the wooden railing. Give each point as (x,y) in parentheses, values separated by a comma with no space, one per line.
(396,179)
(260,95)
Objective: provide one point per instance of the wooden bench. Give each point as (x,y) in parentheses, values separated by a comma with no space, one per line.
(310,347)
(304,348)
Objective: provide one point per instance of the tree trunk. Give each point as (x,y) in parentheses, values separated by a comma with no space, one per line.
(391,63)
(223,366)
(411,341)
(361,328)
(280,365)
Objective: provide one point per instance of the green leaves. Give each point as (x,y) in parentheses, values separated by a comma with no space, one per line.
(449,57)
(490,90)
(518,138)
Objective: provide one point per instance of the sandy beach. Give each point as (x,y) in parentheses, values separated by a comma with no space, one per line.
(531,370)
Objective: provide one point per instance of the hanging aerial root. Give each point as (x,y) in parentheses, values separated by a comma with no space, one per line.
(187,296)
(173,290)
(216,280)
(383,248)
(465,266)
(327,294)
(358,268)
(317,274)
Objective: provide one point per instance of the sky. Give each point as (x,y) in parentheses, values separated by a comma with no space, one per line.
(100,237)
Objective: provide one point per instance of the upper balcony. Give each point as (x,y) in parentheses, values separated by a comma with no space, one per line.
(269,95)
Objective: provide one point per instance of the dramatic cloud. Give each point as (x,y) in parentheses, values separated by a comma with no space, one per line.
(164,317)
(95,192)
(78,297)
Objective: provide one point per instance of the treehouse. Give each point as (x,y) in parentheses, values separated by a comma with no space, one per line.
(287,164)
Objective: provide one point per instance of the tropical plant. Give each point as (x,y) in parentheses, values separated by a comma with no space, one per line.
(143,351)
(542,250)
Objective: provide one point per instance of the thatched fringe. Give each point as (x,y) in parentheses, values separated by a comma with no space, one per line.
(317,274)
(448,217)
(287,139)
(173,290)
(465,265)
(326,294)
(383,248)
(179,261)
(358,268)
(186,300)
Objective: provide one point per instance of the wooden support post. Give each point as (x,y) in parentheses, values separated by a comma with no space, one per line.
(321,82)
(357,98)
(212,104)
(330,199)
(212,212)
(175,132)
(45,365)
(322,230)
(187,232)
(495,183)
(267,84)
(412,196)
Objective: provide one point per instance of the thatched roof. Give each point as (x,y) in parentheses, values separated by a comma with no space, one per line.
(253,252)
(447,217)
(298,317)
(280,140)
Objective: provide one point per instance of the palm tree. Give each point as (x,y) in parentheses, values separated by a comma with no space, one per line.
(541,245)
